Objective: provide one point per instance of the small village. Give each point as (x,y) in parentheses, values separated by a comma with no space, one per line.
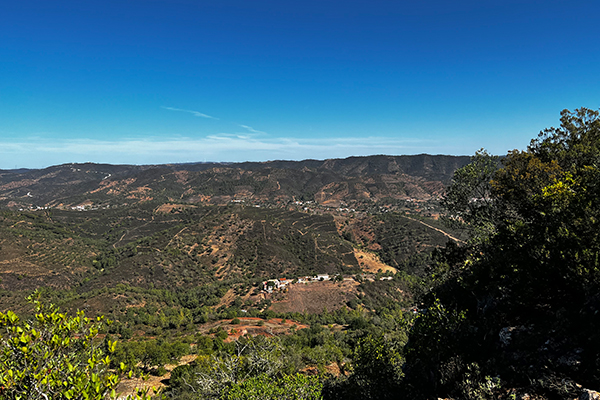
(281,284)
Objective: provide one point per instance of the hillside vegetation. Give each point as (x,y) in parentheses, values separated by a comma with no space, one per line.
(355,180)
(518,307)
(326,279)
(176,256)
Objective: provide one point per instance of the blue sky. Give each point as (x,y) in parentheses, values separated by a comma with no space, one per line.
(159,81)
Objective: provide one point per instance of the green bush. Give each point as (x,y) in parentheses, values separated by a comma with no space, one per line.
(288,387)
(54,356)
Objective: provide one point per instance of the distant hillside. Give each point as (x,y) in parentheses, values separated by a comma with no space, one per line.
(354,179)
(92,234)
(183,247)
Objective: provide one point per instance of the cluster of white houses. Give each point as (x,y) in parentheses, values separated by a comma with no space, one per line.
(281,283)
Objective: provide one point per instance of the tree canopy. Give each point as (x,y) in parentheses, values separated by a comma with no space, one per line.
(528,285)
(55,356)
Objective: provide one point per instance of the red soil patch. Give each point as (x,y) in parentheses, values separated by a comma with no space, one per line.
(250,326)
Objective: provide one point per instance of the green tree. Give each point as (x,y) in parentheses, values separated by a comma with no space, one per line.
(526,287)
(377,367)
(286,387)
(469,199)
(212,375)
(54,356)
(376,371)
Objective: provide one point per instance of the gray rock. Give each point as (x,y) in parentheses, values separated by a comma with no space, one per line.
(505,335)
(589,395)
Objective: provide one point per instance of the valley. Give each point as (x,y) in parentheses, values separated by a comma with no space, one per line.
(181,253)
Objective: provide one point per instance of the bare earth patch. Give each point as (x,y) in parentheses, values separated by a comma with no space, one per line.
(370,262)
(313,297)
(128,387)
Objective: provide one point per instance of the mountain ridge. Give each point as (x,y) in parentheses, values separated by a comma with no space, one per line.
(369,178)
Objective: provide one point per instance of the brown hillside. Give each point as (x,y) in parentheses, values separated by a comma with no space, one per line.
(314,297)
(370,262)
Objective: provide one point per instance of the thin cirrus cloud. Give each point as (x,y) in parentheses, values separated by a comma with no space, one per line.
(195,113)
(220,147)
(250,129)
(199,114)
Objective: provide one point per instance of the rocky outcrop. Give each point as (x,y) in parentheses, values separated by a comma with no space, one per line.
(589,395)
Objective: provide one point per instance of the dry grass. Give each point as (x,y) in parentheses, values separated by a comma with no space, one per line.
(370,262)
(315,296)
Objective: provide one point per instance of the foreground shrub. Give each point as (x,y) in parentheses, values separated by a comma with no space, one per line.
(288,387)
(54,356)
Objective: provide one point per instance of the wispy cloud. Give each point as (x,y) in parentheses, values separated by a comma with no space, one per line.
(250,129)
(35,153)
(195,113)
(202,115)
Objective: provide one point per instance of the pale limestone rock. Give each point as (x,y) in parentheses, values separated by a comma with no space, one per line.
(589,395)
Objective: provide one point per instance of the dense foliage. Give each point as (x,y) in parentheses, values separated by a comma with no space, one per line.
(520,305)
(54,356)
(513,309)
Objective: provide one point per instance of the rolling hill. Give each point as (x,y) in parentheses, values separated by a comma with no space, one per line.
(112,238)
(355,179)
